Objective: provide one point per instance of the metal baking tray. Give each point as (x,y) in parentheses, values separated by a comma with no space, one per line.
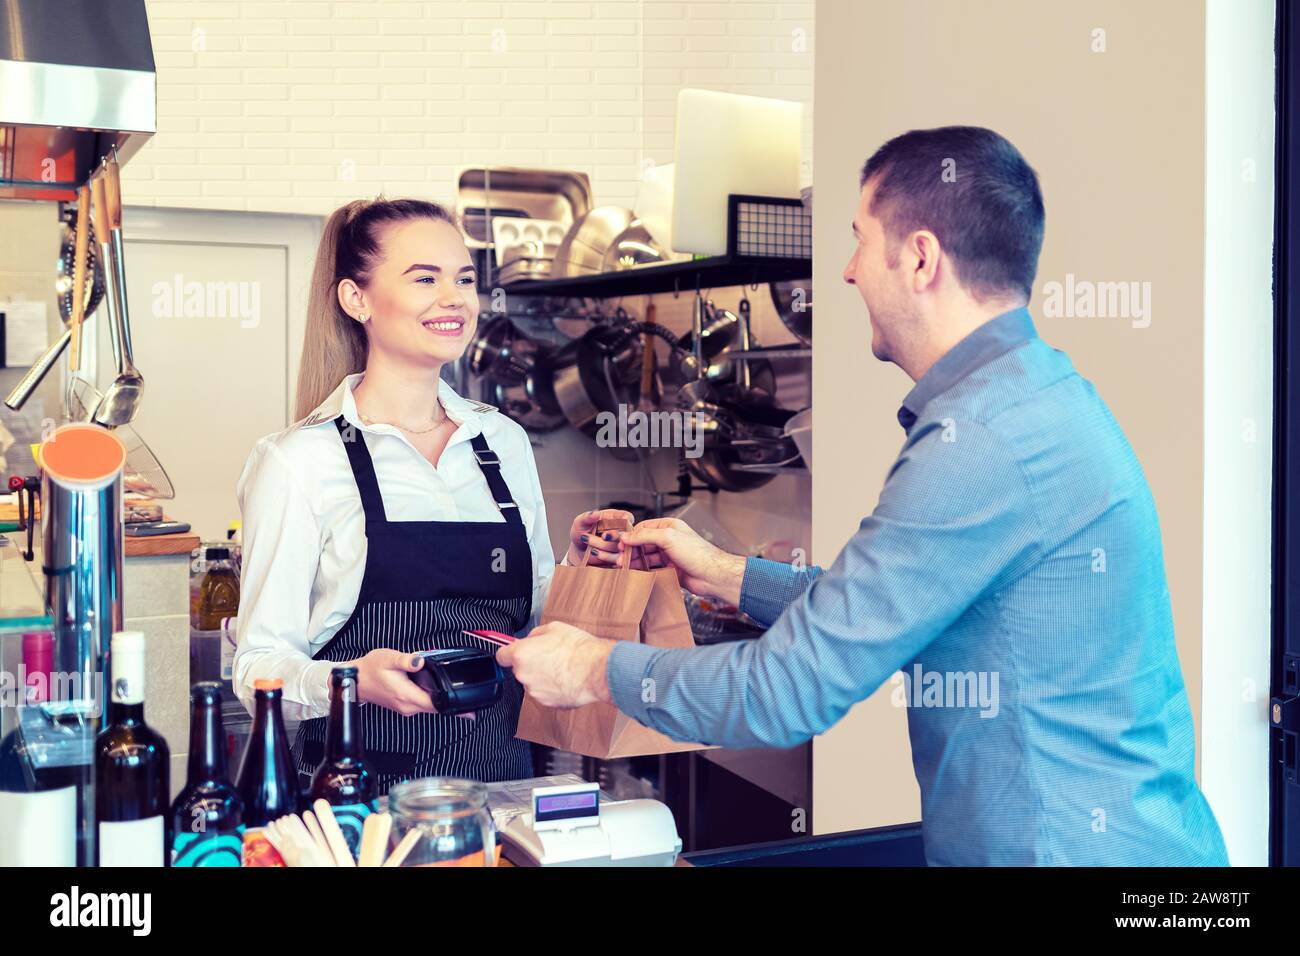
(484,192)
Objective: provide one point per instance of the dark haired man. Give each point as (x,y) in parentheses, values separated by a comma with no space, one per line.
(1012,568)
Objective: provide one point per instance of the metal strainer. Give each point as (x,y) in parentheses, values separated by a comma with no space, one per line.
(96,286)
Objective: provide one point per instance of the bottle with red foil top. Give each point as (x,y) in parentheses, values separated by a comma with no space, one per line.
(38,793)
(268,778)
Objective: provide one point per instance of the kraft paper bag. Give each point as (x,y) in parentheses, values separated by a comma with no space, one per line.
(622,604)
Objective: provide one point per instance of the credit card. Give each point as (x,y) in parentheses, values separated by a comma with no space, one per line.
(494,637)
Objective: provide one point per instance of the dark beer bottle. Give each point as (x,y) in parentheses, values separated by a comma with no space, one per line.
(132,767)
(343,780)
(268,779)
(207,816)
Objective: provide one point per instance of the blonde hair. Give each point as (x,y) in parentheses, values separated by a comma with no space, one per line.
(334,344)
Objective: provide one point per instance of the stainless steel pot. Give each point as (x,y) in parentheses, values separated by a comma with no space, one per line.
(596,373)
(582,252)
(742,430)
(501,352)
(632,247)
(793,301)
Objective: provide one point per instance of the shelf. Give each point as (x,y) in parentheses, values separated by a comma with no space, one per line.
(22,598)
(775,468)
(685,277)
(775,352)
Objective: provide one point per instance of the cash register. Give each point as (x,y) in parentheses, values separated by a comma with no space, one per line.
(572,824)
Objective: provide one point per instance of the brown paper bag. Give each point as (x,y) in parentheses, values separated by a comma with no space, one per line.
(621,604)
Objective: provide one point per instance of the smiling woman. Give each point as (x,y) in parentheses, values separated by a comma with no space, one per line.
(388,272)
(395,516)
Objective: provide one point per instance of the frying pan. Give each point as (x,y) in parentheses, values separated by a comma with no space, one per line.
(788,298)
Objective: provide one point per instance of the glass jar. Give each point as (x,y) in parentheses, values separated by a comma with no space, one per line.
(452,818)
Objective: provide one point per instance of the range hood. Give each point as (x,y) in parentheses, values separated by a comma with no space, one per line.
(76,80)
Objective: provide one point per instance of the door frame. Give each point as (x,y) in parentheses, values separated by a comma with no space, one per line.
(297,234)
(1284,710)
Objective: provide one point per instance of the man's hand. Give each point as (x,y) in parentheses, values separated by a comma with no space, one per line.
(560,665)
(702,568)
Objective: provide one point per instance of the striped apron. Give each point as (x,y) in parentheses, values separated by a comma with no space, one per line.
(425,582)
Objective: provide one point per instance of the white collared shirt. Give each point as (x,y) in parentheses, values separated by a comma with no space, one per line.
(303,532)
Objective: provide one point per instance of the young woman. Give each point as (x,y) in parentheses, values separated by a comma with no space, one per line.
(395,514)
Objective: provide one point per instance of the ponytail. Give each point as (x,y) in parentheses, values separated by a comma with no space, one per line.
(334,344)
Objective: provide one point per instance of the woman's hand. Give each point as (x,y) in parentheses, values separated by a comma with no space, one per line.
(604,547)
(382,679)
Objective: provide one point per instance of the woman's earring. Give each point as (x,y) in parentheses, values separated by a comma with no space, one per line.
(363,318)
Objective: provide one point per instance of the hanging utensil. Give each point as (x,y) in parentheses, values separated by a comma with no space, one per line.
(645,395)
(96,285)
(79,276)
(143,473)
(17,398)
(746,340)
(80,252)
(63,286)
(99,215)
(122,398)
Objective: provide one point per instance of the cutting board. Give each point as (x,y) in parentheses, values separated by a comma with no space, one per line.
(728,143)
(9,509)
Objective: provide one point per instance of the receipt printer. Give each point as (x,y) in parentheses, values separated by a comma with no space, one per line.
(460,680)
(571,826)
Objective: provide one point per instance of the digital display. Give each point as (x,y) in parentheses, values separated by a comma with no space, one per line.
(480,669)
(566,806)
(464,665)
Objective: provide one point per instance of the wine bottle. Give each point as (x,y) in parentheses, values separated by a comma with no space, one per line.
(38,798)
(343,780)
(132,767)
(207,816)
(268,779)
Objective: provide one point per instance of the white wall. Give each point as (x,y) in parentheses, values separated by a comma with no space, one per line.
(300,105)
(1239,184)
(1117,137)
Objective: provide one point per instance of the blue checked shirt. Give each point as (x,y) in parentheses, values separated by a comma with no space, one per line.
(1010,586)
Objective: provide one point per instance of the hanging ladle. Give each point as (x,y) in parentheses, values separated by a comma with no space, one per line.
(123,396)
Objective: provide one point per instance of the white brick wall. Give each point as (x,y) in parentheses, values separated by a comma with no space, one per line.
(299,105)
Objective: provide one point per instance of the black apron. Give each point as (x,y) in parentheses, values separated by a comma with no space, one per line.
(425,582)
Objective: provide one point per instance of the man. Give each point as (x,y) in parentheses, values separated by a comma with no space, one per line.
(1014,556)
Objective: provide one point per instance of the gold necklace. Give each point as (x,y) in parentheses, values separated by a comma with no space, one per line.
(414,431)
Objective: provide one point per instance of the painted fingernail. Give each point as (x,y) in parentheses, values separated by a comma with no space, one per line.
(609,537)
(583,538)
